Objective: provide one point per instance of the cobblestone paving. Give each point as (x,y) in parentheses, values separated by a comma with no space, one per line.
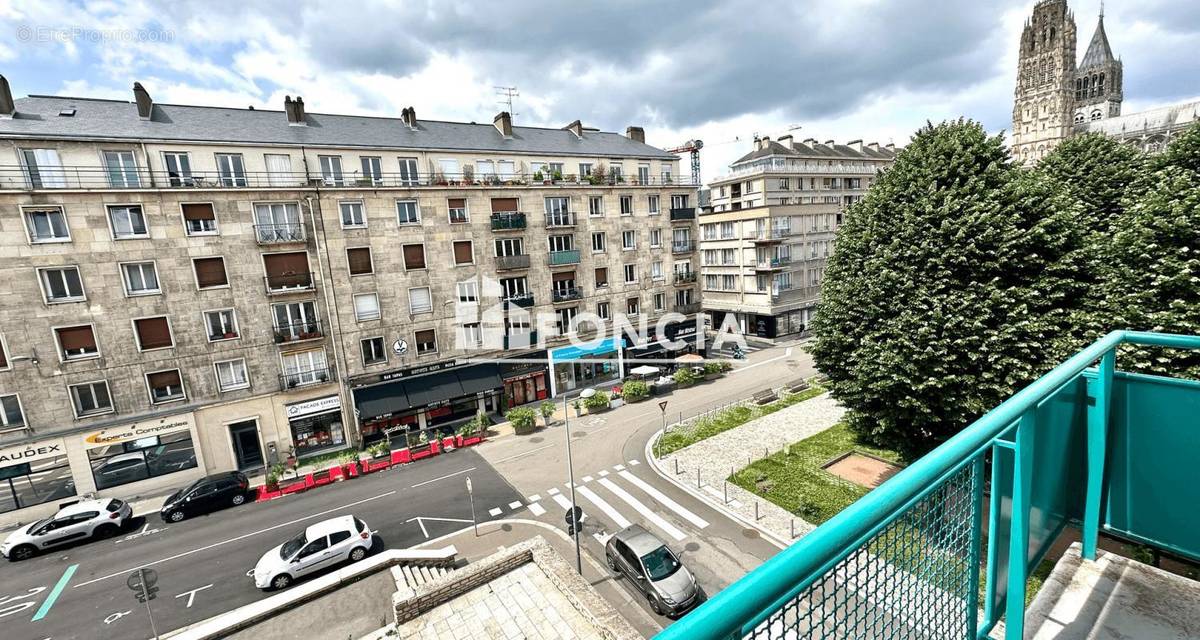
(718,456)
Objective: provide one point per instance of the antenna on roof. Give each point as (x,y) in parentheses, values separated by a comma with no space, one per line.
(506,98)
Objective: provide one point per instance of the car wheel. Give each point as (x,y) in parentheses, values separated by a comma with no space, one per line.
(281,581)
(358,554)
(105,531)
(612,564)
(175,516)
(655,606)
(21,552)
(238,499)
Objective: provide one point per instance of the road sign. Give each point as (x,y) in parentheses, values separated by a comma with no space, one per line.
(469,486)
(663,406)
(146,577)
(574,514)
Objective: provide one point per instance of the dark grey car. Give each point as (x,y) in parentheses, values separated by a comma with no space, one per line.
(653,569)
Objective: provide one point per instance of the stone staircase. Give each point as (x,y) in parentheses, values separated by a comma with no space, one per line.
(410,575)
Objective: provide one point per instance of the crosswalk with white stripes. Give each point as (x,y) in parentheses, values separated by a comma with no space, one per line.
(617,497)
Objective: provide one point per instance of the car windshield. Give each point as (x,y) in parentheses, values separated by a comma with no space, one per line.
(292,546)
(660,563)
(39,524)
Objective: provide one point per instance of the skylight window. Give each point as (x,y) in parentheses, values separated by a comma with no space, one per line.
(68,112)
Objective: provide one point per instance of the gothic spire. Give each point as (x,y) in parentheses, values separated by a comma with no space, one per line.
(1098,52)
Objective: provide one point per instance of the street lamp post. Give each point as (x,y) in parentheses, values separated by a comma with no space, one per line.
(585,394)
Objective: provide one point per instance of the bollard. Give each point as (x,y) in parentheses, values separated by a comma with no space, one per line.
(697,477)
(726,492)
(793,529)
(756,510)
(766,453)
(676,466)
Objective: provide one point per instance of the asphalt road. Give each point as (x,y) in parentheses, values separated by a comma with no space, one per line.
(80,592)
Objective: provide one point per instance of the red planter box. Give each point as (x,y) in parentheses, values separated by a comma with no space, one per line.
(352,470)
(401,457)
(337,473)
(466,442)
(378,465)
(264,494)
(449,442)
(295,487)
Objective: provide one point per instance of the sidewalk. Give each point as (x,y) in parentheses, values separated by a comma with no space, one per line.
(701,468)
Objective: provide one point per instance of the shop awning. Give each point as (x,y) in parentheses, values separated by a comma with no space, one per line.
(480,377)
(435,387)
(381,400)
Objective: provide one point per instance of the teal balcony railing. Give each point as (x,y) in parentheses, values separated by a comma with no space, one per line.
(570,256)
(1111,451)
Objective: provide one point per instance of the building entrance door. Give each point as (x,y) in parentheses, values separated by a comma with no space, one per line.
(246,449)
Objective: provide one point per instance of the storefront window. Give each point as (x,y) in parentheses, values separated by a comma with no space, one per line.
(459,409)
(117,464)
(29,483)
(321,431)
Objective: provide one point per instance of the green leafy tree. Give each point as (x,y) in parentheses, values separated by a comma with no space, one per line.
(949,279)
(1183,152)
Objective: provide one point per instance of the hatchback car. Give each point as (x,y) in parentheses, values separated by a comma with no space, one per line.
(317,548)
(653,569)
(102,518)
(206,495)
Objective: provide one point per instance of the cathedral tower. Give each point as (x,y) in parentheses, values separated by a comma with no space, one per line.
(1098,81)
(1044,104)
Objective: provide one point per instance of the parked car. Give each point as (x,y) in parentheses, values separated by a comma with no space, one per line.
(653,569)
(206,495)
(101,518)
(319,547)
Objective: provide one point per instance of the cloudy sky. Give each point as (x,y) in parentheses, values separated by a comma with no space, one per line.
(721,70)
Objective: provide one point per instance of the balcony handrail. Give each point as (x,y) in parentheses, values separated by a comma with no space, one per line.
(279,232)
(304,280)
(738,609)
(293,331)
(21,177)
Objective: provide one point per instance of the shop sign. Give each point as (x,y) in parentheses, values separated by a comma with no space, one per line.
(320,405)
(685,331)
(401,374)
(572,352)
(523,367)
(145,429)
(32,451)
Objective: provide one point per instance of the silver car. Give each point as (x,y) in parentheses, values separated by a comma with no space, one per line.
(653,569)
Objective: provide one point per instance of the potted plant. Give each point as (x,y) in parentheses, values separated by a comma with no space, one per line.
(714,369)
(279,337)
(685,377)
(578,406)
(522,419)
(380,450)
(557,176)
(538,176)
(229,335)
(635,391)
(322,376)
(468,174)
(547,410)
(273,477)
(597,403)
(572,178)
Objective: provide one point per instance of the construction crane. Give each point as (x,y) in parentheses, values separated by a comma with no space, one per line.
(692,147)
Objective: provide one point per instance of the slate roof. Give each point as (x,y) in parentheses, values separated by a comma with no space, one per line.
(817,151)
(1173,117)
(38,116)
(1099,53)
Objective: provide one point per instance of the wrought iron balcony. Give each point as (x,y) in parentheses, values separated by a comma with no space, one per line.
(683,247)
(944,548)
(508,221)
(771,235)
(685,277)
(290,283)
(566,294)
(285,233)
(560,219)
(306,378)
(688,308)
(521,340)
(771,264)
(523,300)
(685,214)
(508,263)
(298,332)
(564,257)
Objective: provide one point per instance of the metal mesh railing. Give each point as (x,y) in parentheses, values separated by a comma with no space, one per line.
(917,577)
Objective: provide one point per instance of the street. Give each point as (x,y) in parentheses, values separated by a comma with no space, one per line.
(80,592)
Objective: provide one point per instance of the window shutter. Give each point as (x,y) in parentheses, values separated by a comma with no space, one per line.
(359,259)
(463,253)
(153,333)
(161,379)
(425,336)
(198,211)
(414,256)
(601,274)
(458,203)
(281,264)
(420,299)
(501,205)
(74,338)
(210,272)
(562,276)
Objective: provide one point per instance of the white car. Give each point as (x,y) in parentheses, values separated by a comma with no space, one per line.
(100,518)
(319,547)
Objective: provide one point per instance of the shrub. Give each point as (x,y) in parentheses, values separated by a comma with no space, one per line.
(523,420)
(598,401)
(716,367)
(635,390)
(379,449)
(547,410)
(685,377)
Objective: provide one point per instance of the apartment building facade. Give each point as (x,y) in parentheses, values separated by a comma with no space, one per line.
(195,289)
(772,227)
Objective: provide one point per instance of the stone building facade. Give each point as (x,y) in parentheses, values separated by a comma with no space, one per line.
(771,229)
(1055,98)
(194,289)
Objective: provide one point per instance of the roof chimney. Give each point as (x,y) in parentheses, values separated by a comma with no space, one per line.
(890,147)
(575,128)
(874,146)
(856,145)
(294,110)
(786,140)
(8,108)
(829,143)
(810,141)
(409,116)
(503,122)
(142,97)
(637,134)
(764,142)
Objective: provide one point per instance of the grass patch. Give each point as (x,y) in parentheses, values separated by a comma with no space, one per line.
(322,459)
(726,420)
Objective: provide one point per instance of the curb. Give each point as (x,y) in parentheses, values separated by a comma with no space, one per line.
(767,534)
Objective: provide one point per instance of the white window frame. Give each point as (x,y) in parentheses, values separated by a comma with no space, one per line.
(660,302)
(75,409)
(245,374)
(184,169)
(25,220)
(370,252)
(150,391)
(656,270)
(414,311)
(126,181)
(655,238)
(455,257)
(470,334)
(224,266)
(604,310)
(652,205)
(5,425)
(467,291)
(622,201)
(466,209)
(626,270)
(62,357)
(417,344)
(358,315)
(518,243)
(112,224)
(233,321)
(595,206)
(372,169)
(7,354)
(233,179)
(383,350)
(416,209)
(216,231)
(362,210)
(82,297)
(312,371)
(603,237)
(331,170)
(137,339)
(629,240)
(129,292)
(410,173)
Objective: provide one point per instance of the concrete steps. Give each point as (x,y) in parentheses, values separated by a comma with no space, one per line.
(409,576)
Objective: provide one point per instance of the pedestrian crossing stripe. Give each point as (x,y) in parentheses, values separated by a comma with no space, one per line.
(605,507)
(664,500)
(646,512)
(562,500)
(534,498)
(619,467)
(514,505)
(552,491)
(494,512)
(634,463)
(588,478)
(536,509)
(603,472)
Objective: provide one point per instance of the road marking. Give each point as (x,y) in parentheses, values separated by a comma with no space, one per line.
(421,522)
(534,498)
(192,594)
(225,542)
(562,501)
(646,512)
(522,455)
(588,478)
(514,505)
(618,467)
(17,608)
(664,500)
(495,512)
(786,354)
(536,509)
(603,472)
(113,617)
(605,507)
(552,491)
(54,593)
(448,475)
(146,530)
(634,463)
